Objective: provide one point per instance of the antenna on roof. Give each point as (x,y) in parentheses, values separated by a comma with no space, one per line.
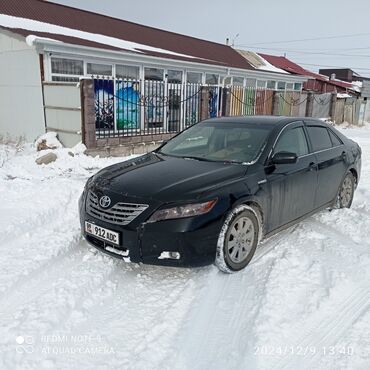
(233,39)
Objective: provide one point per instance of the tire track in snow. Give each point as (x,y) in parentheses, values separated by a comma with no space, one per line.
(328,330)
(38,220)
(145,336)
(219,329)
(39,282)
(333,232)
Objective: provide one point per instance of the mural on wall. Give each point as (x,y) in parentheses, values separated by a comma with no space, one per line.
(127,105)
(104,104)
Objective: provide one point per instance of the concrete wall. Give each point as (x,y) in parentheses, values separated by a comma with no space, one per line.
(63,112)
(321,105)
(21,103)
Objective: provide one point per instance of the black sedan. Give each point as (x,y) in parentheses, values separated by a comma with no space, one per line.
(211,193)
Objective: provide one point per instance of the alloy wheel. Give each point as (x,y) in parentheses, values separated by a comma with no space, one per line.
(240,239)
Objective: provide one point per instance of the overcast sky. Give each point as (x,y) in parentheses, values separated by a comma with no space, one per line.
(262,22)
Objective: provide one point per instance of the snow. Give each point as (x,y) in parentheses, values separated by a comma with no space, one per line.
(357,85)
(343,95)
(31,40)
(50,139)
(303,302)
(269,67)
(37,26)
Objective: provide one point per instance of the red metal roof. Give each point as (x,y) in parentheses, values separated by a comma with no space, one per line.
(204,51)
(289,66)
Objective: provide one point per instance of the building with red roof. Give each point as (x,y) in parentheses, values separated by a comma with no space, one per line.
(316,82)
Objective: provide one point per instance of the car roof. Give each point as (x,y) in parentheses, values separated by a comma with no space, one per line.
(277,121)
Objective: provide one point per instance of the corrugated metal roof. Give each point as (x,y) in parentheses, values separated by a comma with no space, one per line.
(204,51)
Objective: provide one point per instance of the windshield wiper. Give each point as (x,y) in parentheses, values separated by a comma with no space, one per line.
(197,158)
(233,161)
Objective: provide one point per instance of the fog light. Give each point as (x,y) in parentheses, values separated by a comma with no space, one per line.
(169,255)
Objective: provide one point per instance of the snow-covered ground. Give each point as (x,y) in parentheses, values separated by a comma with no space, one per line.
(304,302)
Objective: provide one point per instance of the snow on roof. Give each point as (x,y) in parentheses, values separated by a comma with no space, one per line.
(32,25)
(343,95)
(88,29)
(258,62)
(357,86)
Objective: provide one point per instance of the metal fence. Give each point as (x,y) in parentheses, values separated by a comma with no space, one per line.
(134,107)
(126,108)
(139,108)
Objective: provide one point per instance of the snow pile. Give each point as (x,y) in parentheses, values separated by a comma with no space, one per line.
(303,303)
(48,141)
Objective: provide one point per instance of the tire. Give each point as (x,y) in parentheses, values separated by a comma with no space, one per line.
(238,239)
(346,192)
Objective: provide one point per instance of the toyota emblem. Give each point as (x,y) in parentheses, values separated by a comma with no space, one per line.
(104,201)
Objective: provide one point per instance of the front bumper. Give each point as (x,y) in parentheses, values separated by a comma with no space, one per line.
(194,238)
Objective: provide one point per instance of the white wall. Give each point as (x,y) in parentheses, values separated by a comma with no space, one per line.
(63,112)
(21,105)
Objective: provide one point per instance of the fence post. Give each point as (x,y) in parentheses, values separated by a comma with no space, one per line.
(275,103)
(88,128)
(226,98)
(333,103)
(309,104)
(204,103)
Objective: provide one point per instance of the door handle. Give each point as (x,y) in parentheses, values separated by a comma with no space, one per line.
(312,166)
(344,155)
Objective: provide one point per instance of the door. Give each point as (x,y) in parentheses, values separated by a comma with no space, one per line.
(292,186)
(331,160)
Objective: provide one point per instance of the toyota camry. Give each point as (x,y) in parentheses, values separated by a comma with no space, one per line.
(211,193)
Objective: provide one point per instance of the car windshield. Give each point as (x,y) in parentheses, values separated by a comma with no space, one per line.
(219,141)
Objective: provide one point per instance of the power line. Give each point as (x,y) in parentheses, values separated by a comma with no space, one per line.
(331,66)
(313,39)
(310,52)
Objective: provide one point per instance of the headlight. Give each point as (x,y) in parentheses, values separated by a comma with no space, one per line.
(188,210)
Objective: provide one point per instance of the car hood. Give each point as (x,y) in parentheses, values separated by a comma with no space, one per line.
(166,178)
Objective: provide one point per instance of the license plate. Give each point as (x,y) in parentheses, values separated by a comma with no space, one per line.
(102,233)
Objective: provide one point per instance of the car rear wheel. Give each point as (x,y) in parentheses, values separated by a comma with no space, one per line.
(238,239)
(346,192)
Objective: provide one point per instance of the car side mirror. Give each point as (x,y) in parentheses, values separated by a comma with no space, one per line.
(284,158)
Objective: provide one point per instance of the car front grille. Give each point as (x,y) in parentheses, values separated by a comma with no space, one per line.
(120,213)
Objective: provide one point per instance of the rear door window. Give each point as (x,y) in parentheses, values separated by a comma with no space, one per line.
(320,138)
(335,140)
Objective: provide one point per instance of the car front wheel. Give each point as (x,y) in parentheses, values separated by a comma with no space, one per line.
(238,239)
